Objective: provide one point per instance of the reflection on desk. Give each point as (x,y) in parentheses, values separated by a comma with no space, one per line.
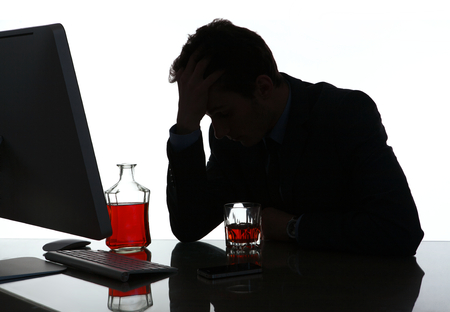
(295,280)
(133,295)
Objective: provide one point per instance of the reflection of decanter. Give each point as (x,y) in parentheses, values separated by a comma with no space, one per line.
(128,211)
(139,299)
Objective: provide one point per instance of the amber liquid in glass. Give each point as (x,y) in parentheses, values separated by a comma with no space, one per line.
(129,225)
(243,234)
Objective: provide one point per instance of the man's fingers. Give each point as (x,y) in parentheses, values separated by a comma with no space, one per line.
(211,79)
(199,70)
(192,62)
(194,77)
(190,66)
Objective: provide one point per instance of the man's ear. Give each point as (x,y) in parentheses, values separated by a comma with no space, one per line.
(264,86)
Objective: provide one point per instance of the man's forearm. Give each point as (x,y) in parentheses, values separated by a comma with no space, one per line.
(193,205)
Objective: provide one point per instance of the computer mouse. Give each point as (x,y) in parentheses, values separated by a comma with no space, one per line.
(65,244)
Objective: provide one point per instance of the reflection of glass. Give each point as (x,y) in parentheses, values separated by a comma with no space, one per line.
(248,283)
(128,210)
(245,255)
(242,224)
(139,299)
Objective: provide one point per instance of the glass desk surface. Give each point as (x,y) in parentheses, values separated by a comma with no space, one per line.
(292,280)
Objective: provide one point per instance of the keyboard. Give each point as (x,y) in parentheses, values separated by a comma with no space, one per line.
(105,263)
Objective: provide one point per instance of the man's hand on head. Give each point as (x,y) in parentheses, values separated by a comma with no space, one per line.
(193,93)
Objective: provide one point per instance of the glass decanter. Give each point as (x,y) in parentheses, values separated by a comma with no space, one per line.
(128,203)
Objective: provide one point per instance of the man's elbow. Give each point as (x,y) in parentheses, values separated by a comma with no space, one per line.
(184,234)
(404,242)
(408,246)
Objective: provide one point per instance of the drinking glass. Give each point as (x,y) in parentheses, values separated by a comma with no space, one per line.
(242,224)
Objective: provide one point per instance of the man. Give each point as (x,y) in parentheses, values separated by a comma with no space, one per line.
(313,155)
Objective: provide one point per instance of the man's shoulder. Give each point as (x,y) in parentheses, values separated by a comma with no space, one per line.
(324,92)
(318,87)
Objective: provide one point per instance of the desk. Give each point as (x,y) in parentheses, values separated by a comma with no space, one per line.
(293,280)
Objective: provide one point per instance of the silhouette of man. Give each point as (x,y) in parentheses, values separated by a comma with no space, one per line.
(315,156)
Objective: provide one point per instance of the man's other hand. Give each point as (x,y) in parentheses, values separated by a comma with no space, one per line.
(274,223)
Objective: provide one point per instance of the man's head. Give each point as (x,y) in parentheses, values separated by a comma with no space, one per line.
(242,53)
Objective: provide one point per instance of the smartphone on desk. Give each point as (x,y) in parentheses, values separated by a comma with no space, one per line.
(229,270)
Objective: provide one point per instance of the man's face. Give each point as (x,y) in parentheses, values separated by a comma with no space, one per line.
(236,117)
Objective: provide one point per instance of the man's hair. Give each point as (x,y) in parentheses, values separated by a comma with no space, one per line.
(242,53)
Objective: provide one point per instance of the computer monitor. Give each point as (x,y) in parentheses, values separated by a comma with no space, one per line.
(48,171)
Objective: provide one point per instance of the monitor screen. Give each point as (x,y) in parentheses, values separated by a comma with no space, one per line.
(48,171)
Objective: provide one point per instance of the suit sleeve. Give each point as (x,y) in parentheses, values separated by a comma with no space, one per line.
(195,197)
(379,215)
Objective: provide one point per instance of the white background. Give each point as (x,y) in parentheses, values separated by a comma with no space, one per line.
(398,52)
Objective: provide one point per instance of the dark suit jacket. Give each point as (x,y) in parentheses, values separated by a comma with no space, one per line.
(336,171)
